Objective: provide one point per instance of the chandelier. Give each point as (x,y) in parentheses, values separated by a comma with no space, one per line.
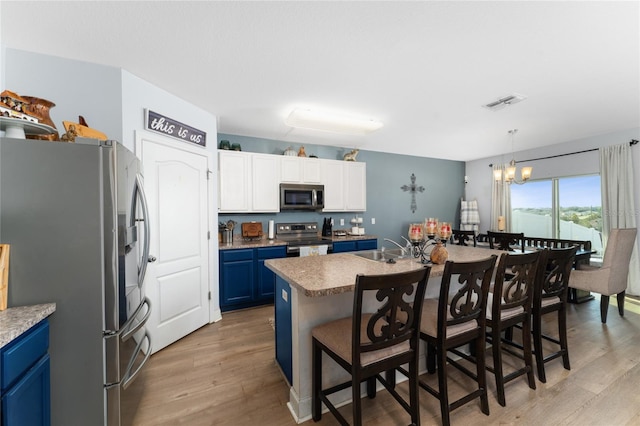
(510,171)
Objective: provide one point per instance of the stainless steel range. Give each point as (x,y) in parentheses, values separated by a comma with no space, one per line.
(303,238)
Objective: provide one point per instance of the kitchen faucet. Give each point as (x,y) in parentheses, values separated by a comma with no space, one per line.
(404,249)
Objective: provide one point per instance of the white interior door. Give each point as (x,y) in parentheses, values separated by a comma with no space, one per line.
(176,185)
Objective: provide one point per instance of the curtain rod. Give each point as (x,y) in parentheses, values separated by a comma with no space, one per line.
(631,143)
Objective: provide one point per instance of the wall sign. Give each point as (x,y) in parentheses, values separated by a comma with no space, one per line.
(170,127)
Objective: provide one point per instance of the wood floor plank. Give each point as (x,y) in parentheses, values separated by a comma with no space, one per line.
(225,374)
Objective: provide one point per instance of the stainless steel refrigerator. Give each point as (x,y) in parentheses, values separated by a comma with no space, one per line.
(75,216)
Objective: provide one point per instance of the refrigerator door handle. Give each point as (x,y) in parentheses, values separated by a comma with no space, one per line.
(142,271)
(129,376)
(126,333)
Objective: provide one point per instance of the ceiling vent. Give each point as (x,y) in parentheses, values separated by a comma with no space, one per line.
(505,101)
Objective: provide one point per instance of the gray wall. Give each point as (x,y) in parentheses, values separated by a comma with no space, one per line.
(443,181)
(77,88)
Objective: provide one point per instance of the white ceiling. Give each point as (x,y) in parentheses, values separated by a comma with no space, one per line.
(422,68)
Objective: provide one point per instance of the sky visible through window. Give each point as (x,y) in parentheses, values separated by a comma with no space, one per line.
(582,191)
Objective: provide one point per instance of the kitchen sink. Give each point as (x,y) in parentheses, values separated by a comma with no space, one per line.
(381,255)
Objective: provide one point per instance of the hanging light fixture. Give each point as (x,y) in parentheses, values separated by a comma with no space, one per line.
(510,171)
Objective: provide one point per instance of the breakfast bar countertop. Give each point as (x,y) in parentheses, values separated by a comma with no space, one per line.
(15,321)
(336,273)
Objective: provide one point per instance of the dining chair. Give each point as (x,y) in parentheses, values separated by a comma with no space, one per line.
(611,278)
(461,237)
(457,318)
(549,296)
(380,336)
(508,241)
(509,305)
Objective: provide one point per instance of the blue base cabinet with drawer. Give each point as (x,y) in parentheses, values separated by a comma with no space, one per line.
(25,379)
(355,245)
(244,280)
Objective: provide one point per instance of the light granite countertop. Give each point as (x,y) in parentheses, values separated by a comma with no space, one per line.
(239,243)
(336,273)
(15,321)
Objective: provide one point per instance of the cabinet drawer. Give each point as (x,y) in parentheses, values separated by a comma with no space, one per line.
(344,246)
(19,355)
(272,252)
(234,255)
(367,244)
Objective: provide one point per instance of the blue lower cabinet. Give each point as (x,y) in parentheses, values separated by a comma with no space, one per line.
(25,378)
(266,277)
(237,270)
(366,244)
(354,245)
(244,280)
(283,328)
(344,246)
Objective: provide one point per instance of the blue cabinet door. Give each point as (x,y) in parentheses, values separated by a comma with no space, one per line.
(367,244)
(344,246)
(284,333)
(28,401)
(236,277)
(355,245)
(266,277)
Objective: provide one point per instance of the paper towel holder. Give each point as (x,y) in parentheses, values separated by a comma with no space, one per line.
(271,230)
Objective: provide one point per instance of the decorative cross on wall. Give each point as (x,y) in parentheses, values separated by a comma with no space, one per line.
(413,188)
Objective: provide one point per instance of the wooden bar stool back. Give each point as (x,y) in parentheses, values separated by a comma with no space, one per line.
(549,296)
(380,336)
(509,305)
(455,320)
(508,241)
(463,238)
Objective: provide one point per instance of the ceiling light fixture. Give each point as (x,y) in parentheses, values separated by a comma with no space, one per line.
(510,171)
(331,122)
(505,101)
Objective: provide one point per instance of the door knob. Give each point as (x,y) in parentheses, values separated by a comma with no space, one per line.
(151,259)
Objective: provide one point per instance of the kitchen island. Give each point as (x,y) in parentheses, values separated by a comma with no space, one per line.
(317,289)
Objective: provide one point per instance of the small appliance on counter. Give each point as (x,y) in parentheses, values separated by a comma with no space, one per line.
(251,231)
(326,227)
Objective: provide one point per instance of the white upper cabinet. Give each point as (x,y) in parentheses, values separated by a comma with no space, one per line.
(250,182)
(345,185)
(356,179)
(334,185)
(266,179)
(234,177)
(300,170)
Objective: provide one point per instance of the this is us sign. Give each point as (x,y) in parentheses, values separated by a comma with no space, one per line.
(170,127)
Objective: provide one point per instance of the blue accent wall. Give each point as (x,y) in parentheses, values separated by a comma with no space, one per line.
(443,181)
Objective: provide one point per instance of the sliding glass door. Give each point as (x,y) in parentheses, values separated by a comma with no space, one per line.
(568,208)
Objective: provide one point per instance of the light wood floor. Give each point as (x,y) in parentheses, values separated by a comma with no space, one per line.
(225,374)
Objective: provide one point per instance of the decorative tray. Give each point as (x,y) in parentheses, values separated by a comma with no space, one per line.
(18,128)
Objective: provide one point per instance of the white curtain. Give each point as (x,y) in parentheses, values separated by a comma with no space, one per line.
(500,200)
(618,204)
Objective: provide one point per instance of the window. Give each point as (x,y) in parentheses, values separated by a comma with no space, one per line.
(568,208)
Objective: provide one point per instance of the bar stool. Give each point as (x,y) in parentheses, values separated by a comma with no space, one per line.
(380,336)
(455,320)
(549,296)
(509,305)
(461,237)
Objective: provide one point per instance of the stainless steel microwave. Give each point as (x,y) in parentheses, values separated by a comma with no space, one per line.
(301,197)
